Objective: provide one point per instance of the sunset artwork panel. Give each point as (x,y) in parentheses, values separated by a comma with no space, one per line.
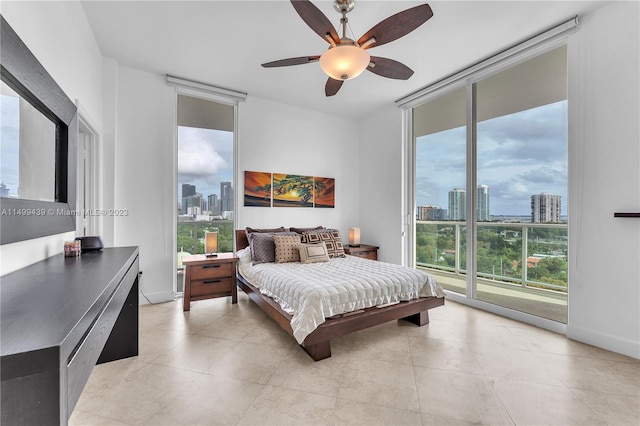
(325,193)
(292,190)
(257,189)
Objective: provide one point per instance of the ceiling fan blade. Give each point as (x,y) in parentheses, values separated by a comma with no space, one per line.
(291,61)
(316,20)
(389,68)
(332,86)
(396,26)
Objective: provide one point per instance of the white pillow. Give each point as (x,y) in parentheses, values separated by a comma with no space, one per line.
(312,253)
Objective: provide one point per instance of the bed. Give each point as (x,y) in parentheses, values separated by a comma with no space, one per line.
(314,328)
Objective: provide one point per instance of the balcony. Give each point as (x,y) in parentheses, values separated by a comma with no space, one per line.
(521,266)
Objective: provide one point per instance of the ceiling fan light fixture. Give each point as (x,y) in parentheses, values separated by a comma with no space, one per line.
(344,62)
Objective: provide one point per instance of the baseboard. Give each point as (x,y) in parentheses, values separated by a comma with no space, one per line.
(605,341)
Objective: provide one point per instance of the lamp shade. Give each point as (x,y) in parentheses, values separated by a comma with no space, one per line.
(210,242)
(354,236)
(344,62)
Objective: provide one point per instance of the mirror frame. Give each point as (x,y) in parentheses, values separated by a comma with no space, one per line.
(27,219)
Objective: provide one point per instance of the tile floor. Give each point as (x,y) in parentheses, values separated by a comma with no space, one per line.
(230,364)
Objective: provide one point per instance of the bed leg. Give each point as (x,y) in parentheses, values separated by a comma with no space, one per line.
(419,319)
(318,351)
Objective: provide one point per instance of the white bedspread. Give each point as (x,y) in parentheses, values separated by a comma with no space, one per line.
(316,291)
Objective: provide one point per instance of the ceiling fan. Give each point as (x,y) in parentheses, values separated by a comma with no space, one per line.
(347,58)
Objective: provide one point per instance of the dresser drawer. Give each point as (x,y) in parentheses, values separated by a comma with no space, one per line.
(211,286)
(212,270)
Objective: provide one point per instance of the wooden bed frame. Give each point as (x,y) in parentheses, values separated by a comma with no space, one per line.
(317,344)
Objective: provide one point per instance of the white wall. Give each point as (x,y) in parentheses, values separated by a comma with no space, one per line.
(278,138)
(604,159)
(59,35)
(141,115)
(380,182)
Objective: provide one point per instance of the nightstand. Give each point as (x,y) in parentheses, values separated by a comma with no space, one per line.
(363,250)
(209,277)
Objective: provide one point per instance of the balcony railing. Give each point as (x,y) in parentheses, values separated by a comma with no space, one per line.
(530,255)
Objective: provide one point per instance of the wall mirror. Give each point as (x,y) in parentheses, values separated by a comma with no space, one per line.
(39,147)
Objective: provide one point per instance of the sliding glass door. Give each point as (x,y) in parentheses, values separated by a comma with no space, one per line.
(514,124)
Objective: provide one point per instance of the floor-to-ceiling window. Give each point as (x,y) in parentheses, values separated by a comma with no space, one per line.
(490,169)
(205,200)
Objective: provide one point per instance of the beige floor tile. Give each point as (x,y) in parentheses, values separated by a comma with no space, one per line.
(278,406)
(613,409)
(230,364)
(379,382)
(536,404)
(300,372)
(461,396)
(210,400)
(249,362)
(349,412)
(444,355)
(83,418)
(516,365)
(592,374)
(129,401)
(196,353)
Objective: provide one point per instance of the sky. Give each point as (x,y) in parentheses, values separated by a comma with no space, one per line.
(9,156)
(205,158)
(518,155)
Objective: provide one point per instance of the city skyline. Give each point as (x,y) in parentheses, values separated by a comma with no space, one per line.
(205,159)
(518,155)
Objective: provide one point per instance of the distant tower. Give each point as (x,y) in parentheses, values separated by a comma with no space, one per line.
(483,214)
(4,191)
(457,204)
(226,197)
(188,191)
(545,208)
(214,204)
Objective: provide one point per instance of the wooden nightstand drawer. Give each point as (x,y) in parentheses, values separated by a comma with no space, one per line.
(212,270)
(211,286)
(363,250)
(209,277)
(373,255)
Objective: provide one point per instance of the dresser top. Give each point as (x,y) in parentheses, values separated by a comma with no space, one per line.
(44,303)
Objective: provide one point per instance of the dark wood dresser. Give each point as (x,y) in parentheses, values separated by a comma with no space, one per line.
(59,318)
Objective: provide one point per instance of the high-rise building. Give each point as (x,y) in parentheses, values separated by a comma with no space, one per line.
(430,213)
(545,208)
(483,214)
(226,197)
(188,191)
(457,204)
(214,204)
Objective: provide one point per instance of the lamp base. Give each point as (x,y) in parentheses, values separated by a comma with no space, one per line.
(354,245)
(211,255)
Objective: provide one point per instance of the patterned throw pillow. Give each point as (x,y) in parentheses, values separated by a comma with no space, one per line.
(262,246)
(312,253)
(287,248)
(330,238)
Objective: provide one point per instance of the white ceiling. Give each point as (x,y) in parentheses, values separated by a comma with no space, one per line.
(223,43)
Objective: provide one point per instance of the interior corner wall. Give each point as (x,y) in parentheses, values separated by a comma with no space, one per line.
(59,35)
(142,116)
(380,183)
(604,177)
(279,138)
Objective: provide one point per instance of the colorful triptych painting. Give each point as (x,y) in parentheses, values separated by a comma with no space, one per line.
(263,189)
